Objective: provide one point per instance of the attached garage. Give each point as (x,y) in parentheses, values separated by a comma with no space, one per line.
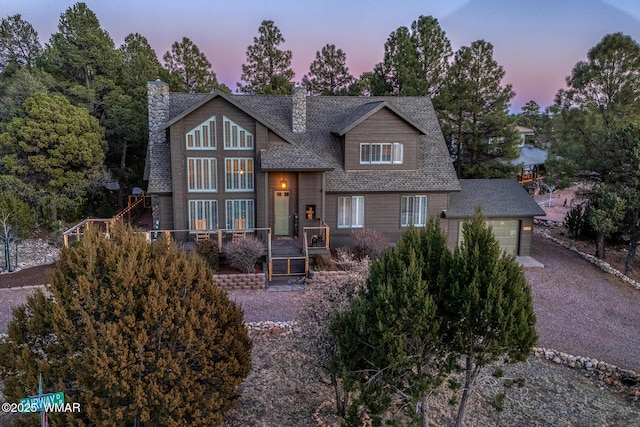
(506,232)
(508,207)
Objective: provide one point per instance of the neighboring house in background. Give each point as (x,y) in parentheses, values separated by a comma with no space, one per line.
(531,159)
(288,162)
(525,134)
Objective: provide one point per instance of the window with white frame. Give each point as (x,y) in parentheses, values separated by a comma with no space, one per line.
(206,210)
(239,210)
(381,153)
(351,212)
(239,174)
(201,174)
(202,136)
(413,211)
(236,137)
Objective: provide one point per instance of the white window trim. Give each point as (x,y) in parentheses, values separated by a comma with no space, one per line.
(234,135)
(247,177)
(198,136)
(352,215)
(230,212)
(195,212)
(395,157)
(198,185)
(419,210)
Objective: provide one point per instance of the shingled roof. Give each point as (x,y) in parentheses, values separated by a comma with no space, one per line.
(318,149)
(498,198)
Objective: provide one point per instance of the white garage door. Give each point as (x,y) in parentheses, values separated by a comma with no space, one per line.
(506,232)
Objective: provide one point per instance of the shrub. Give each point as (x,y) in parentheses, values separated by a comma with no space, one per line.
(322,262)
(243,254)
(208,250)
(19,216)
(575,221)
(369,242)
(324,297)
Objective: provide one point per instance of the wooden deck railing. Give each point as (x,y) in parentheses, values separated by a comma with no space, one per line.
(313,237)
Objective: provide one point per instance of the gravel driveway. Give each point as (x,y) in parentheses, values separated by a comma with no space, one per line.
(580,309)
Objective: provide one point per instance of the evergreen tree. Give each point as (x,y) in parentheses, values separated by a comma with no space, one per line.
(434,52)
(56,148)
(189,69)
(389,340)
(16,88)
(328,73)
(19,44)
(601,100)
(125,110)
(474,113)
(82,56)
(400,71)
(415,61)
(489,308)
(137,333)
(268,68)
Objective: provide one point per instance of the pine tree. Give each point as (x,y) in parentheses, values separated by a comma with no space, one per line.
(137,333)
(19,43)
(190,70)
(415,60)
(474,113)
(57,148)
(489,310)
(268,68)
(328,73)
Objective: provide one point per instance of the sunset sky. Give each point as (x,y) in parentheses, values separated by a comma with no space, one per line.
(537,42)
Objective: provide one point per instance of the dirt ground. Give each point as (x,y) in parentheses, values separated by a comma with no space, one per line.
(556,209)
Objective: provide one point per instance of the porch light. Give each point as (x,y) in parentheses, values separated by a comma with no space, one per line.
(283,184)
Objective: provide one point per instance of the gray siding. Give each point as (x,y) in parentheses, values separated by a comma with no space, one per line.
(383,126)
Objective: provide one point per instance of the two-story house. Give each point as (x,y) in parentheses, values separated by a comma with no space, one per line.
(285,162)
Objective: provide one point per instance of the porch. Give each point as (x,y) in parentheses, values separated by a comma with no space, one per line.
(285,256)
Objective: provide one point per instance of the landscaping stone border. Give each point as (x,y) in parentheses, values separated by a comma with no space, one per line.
(602,265)
(609,374)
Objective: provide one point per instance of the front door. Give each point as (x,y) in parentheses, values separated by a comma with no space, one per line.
(281,213)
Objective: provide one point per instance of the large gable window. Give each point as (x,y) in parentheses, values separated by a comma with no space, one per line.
(203,210)
(413,211)
(351,212)
(240,214)
(239,174)
(381,153)
(236,137)
(201,174)
(202,136)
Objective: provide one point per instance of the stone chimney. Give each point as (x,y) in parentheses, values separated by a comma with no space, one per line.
(158,110)
(299,109)
(158,106)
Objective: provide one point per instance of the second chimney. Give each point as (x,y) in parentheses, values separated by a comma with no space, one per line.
(299,110)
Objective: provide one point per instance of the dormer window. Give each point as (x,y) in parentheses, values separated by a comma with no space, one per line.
(381,153)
